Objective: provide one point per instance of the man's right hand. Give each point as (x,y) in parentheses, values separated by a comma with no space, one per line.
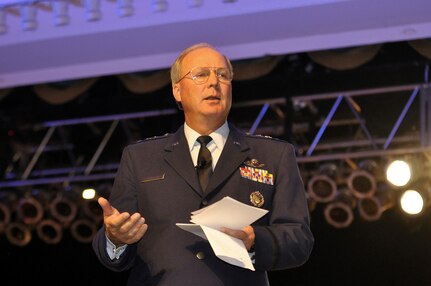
(122,228)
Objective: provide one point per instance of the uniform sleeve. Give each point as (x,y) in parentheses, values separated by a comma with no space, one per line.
(123,198)
(287,240)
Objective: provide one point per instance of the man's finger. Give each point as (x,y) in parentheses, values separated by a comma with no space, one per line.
(233,232)
(108,209)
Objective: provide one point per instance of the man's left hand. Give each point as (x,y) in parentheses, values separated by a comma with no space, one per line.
(246,235)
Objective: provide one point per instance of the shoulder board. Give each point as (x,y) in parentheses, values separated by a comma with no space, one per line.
(262,137)
(154,137)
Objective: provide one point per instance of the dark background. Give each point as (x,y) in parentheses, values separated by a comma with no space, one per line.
(391,251)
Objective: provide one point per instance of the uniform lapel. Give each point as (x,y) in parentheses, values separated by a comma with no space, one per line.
(233,155)
(177,155)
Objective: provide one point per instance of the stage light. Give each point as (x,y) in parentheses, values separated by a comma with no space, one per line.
(361,184)
(30,210)
(322,188)
(18,234)
(398,173)
(63,209)
(412,202)
(49,231)
(88,193)
(418,197)
(339,213)
(372,208)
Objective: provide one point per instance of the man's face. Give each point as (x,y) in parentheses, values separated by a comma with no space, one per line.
(209,100)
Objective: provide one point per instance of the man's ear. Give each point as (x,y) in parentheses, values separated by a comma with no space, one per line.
(176,92)
(177,95)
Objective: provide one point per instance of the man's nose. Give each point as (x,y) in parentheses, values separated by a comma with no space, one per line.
(213,79)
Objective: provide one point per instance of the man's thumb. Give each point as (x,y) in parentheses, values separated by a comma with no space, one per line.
(106,206)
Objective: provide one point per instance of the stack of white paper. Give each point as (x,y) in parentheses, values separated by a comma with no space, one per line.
(228,213)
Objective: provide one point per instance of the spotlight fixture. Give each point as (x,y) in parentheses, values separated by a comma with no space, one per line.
(88,193)
(361,184)
(418,197)
(372,208)
(63,209)
(412,202)
(30,210)
(398,173)
(18,234)
(49,231)
(339,213)
(322,188)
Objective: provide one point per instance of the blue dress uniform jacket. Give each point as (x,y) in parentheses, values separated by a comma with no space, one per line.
(157,178)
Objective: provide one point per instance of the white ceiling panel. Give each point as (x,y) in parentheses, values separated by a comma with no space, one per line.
(152,36)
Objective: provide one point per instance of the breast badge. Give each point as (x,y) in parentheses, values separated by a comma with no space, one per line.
(257,199)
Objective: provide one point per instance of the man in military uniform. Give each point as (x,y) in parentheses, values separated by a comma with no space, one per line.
(161,180)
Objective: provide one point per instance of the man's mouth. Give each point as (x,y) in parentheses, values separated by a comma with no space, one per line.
(212,98)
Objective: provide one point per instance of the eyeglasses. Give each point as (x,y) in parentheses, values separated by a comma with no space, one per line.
(200,75)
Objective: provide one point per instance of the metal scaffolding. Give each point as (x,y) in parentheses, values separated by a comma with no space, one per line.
(269,120)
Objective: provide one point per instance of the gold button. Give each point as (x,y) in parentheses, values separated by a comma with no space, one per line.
(200,255)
